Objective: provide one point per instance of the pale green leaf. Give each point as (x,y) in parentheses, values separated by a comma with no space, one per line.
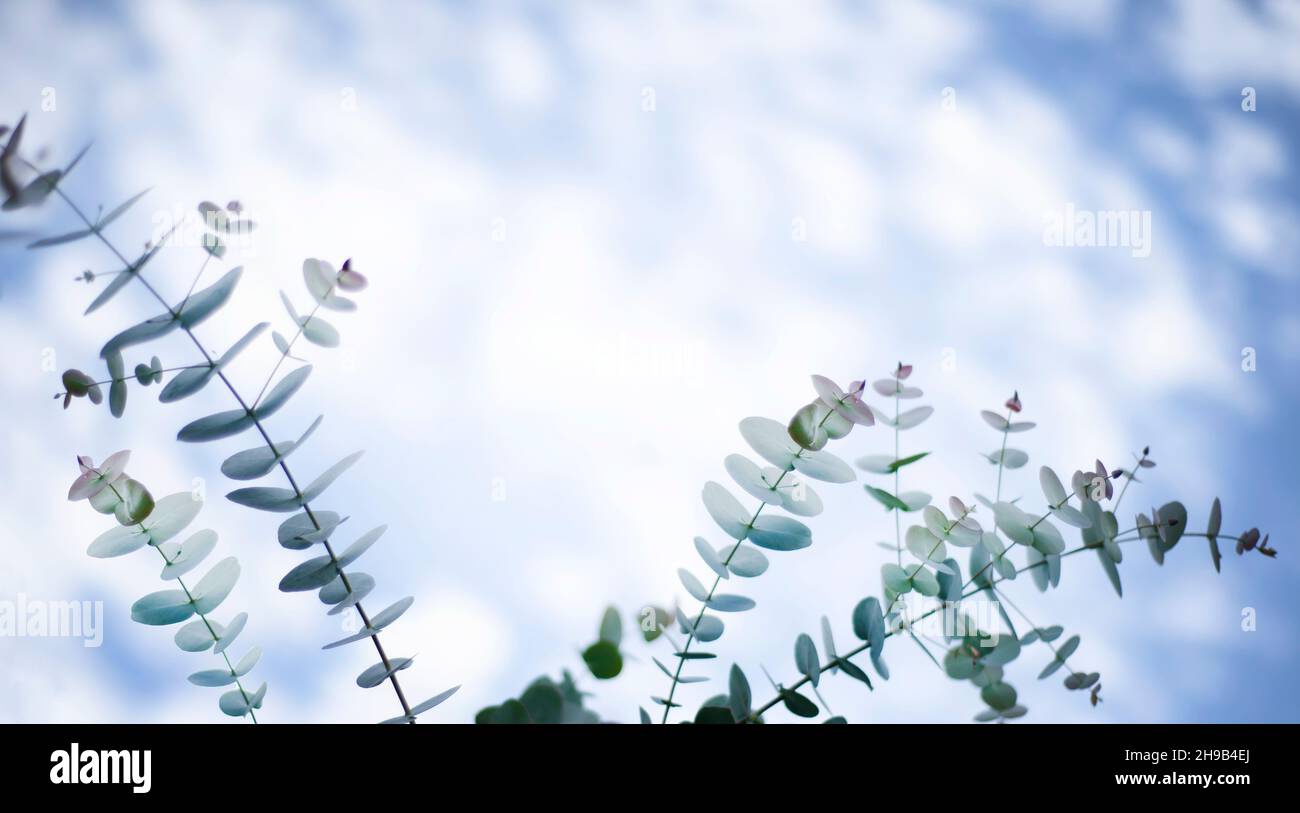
(805,658)
(257,462)
(283,390)
(190,554)
(162,607)
(213,588)
(199,306)
(215,427)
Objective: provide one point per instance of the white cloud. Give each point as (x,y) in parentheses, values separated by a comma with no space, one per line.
(1218,48)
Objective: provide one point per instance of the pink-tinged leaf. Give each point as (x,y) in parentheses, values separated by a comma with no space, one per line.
(827,390)
(351,280)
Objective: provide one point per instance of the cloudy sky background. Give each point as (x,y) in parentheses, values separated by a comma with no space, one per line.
(598,236)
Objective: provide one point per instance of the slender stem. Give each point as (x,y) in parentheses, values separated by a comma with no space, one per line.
(257,423)
(997,497)
(129,377)
(898,520)
(284,354)
(248,700)
(194,283)
(1127,480)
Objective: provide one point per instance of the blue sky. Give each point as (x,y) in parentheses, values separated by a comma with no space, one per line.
(598,237)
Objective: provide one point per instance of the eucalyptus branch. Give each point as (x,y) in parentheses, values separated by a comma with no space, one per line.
(978,656)
(284,466)
(1144,462)
(676,676)
(81,386)
(798,446)
(326,573)
(1002,455)
(142,522)
(216,638)
(691,631)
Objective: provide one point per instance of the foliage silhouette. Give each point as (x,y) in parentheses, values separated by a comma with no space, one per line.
(330,290)
(973,653)
(922,562)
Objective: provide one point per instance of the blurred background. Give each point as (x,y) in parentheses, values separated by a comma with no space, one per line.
(598,236)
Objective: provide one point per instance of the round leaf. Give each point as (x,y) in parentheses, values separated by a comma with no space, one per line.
(692,585)
(895,578)
(212,677)
(162,608)
(780,533)
(604,660)
(994,420)
(726,510)
(310,575)
(137,503)
(190,554)
(709,628)
(117,541)
(375,675)
(196,637)
(1052,488)
(744,561)
(213,588)
(230,633)
(319,332)
(914,417)
(770,440)
(172,515)
(750,478)
(336,594)
(710,557)
(1000,696)
(798,704)
(822,465)
(730,604)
